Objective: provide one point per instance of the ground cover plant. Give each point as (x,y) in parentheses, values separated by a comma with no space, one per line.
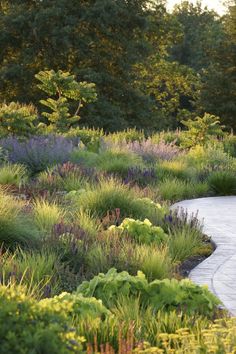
(89,234)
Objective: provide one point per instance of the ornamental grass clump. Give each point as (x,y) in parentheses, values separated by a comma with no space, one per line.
(117,163)
(13,175)
(223,183)
(174,189)
(66,177)
(110,194)
(46,215)
(38,152)
(16,227)
(34,269)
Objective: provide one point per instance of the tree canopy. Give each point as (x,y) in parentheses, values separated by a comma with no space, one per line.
(151,68)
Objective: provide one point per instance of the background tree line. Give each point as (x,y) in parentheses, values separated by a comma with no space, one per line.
(151,68)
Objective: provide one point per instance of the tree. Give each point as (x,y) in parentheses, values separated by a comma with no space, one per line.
(201,130)
(202,32)
(218,94)
(65,87)
(98,41)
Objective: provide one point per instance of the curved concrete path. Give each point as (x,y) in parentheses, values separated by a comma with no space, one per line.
(219,270)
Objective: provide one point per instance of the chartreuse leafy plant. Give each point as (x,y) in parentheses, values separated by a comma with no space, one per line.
(142,232)
(64,86)
(17,119)
(82,307)
(159,294)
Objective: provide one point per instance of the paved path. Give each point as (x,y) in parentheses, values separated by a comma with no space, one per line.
(219,270)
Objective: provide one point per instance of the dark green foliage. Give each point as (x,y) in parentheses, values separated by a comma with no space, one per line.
(223,183)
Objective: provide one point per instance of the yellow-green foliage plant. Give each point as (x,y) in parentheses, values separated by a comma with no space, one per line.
(13,174)
(218,338)
(31,326)
(34,269)
(46,215)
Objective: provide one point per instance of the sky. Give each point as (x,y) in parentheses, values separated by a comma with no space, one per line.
(211,4)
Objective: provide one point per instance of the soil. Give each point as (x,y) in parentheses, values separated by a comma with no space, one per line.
(190,263)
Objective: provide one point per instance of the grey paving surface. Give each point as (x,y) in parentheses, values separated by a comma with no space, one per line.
(219,270)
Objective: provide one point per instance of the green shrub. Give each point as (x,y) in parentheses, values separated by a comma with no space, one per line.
(29,326)
(175,189)
(90,137)
(223,183)
(84,157)
(15,227)
(15,175)
(80,307)
(142,232)
(46,215)
(201,130)
(160,294)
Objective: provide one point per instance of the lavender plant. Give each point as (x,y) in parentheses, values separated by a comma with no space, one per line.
(38,152)
(141,176)
(151,152)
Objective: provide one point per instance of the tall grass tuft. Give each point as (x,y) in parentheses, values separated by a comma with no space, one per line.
(16,228)
(35,270)
(223,183)
(175,189)
(13,174)
(110,194)
(46,215)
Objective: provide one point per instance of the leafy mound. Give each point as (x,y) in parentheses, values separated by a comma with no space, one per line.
(142,231)
(160,294)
